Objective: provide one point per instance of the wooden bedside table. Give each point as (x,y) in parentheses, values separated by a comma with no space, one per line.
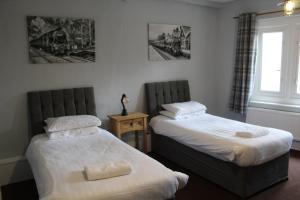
(133,122)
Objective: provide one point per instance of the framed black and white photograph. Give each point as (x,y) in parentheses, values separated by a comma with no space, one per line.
(61,40)
(169,42)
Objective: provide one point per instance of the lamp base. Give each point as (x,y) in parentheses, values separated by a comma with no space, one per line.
(124,112)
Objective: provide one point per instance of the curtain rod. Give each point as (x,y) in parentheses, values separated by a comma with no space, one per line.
(268,13)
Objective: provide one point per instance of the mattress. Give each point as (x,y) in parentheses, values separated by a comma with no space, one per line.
(216,137)
(58,166)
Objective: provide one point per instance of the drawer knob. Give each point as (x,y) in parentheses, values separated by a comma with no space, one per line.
(131,124)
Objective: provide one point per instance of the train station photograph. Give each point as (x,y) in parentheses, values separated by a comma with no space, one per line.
(169,42)
(60,40)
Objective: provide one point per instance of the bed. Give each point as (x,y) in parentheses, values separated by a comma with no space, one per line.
(243,181)
(57,164)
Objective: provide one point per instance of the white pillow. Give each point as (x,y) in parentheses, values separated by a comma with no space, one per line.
(184,107)
(180,117)
(73,133)
(71,122)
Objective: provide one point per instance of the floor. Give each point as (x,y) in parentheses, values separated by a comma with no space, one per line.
(196,187)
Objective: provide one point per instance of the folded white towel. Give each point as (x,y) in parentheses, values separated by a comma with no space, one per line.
(252,133)
(108,171)
(182,179)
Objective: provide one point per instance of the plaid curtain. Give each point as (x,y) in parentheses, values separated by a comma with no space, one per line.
(244,63)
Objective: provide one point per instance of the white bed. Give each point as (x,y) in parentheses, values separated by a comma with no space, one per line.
(216,136)
(58,166)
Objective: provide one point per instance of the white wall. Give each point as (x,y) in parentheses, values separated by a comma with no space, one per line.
(122,64)
(288,121)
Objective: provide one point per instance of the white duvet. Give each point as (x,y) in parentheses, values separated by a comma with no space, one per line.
(216,136)
(58,167)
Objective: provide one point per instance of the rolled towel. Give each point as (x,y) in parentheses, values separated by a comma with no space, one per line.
(108,171)
(182,179)
(252,133)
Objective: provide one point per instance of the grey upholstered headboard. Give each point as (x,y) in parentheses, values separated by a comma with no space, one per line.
(55,103)
(159,93)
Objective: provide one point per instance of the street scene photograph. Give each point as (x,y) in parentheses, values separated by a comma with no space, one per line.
(169,42)
(60,40)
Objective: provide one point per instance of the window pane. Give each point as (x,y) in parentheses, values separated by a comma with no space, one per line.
(298,82)
(271,61)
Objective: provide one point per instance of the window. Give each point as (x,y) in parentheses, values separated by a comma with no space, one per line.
(271,61)
(298,81)
(277,76)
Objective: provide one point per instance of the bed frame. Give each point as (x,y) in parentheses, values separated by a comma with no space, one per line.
(242,181)
(56,103)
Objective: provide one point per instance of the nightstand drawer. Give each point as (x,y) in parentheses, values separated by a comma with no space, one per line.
(132,125)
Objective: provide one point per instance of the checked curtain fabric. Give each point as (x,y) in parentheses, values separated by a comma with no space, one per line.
(244,63)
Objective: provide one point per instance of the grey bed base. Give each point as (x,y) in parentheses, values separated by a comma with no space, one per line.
(242,181)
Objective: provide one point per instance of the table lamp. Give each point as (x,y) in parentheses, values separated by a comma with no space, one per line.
(124,100)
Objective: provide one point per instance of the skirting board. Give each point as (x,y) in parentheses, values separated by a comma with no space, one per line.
(14,170)
(296,145)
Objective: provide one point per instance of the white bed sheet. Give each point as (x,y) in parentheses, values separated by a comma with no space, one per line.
(216,136)
(58,166)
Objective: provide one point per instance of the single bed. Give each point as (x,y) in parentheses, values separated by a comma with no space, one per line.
(175,140)
(58,164)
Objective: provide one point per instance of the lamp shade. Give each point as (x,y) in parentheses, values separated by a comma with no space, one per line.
(289,7)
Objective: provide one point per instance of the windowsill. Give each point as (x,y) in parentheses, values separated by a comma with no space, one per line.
(275,106)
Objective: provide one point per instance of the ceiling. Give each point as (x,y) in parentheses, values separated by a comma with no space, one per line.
(221,1)
(210,3)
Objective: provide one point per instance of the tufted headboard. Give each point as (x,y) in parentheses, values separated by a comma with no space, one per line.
(159,93)
(56,103)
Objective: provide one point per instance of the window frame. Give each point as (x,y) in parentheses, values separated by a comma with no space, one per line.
(258,66)
(296,63)
(290,64)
